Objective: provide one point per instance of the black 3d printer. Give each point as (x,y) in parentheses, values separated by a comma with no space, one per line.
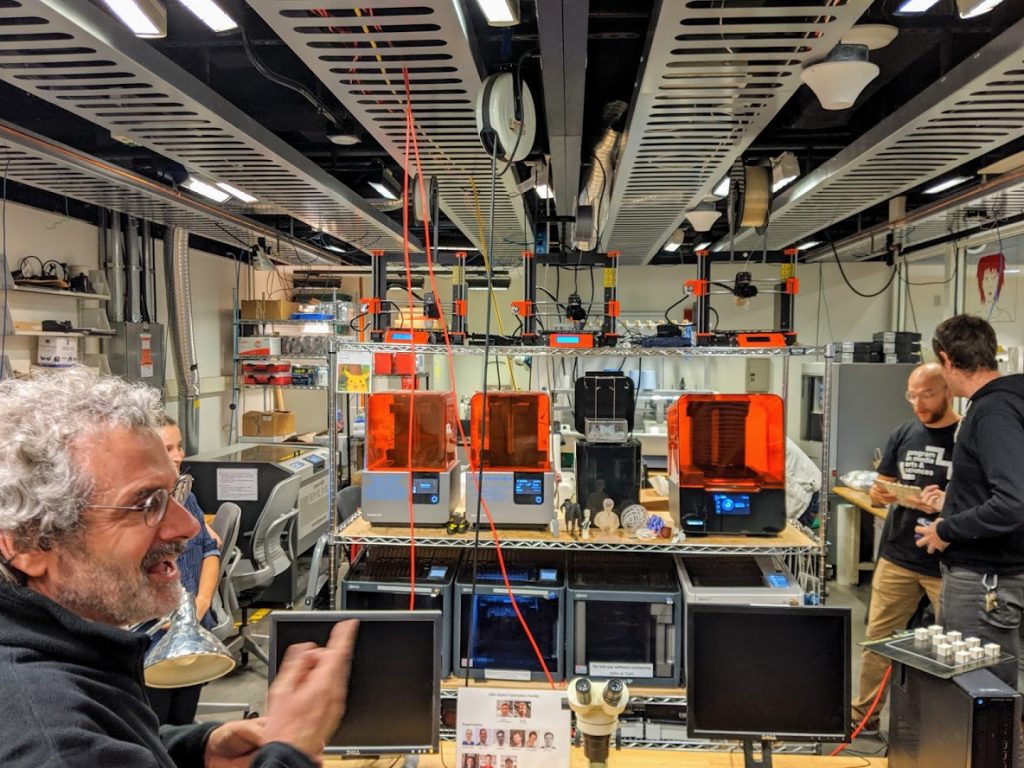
(607,457)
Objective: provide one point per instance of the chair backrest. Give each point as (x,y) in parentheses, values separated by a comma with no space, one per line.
(269,557)
(349,499)
(225,525)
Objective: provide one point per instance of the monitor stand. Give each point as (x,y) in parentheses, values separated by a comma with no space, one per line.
(749,761)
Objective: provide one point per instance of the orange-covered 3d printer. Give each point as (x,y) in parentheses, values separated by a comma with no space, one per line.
(428,475)
(727,464)
(518,482)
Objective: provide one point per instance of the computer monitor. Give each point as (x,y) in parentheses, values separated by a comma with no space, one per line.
(767,673)
(394,690)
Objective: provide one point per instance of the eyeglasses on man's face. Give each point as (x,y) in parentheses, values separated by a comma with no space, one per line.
(925,394)
(155,505)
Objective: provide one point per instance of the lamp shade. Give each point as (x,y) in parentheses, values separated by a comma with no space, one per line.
(841,77)
(188,654)
(703,217)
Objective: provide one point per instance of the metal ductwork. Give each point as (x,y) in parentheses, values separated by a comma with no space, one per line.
(179,318)
(133,306)
(114,267)
(597,188)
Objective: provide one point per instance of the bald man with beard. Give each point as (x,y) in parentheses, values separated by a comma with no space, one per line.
(919,452)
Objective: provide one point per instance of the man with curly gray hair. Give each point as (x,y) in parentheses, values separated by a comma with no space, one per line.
(90,531)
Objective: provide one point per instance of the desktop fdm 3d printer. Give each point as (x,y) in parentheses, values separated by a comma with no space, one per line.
(514,451)
(427,476)
(607,458)
(727,463)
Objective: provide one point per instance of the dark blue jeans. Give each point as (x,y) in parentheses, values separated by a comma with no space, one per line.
(963,609)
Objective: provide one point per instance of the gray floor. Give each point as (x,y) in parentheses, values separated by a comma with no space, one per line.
(249,685)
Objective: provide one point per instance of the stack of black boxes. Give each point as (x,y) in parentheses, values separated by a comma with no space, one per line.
(884,347)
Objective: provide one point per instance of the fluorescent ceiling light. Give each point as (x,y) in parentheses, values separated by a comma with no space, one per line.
(544,192)
(942,186)
(200,187)
(968,9)
(916,6)
(1011,271)
(146,18)
(785,169)
(808,244)
(499,282)
(383,190)
(245,197)
(211,14)
(457,248)
(335,248)
(722,190)
(702,246)
(500,13)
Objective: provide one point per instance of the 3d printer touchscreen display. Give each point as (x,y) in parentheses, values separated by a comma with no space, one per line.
(528,488)
(428,485)
(731,503)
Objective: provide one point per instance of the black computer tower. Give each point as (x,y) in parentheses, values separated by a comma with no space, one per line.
(968,721)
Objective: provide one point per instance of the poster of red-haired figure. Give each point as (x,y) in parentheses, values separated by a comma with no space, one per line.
(992,298)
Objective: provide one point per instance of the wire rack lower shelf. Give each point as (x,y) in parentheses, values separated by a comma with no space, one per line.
(356,530)
(637,694)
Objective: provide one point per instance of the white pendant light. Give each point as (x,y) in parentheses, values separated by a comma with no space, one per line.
(841,77)
(703,217)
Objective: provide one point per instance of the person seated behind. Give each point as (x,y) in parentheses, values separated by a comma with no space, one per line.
(89,540)
(199,566)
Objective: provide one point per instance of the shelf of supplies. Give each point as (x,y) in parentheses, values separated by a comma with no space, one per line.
(637,694)
(280,386)
(58,292)
(438,349)
(248,321)
(356,530)
(19,332)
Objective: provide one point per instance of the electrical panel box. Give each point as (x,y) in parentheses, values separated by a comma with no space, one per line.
(759,374)
(136,352)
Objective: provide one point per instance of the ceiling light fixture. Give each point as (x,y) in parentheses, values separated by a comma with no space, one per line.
(499,281)
(874,36)
(968,9)
(916,6)
(785,169)
(146,18)
(942,186)
(722,190)
(841,77)
(703,217)
(387,186)
(809,244)
(500,13)
(245,197)
(675,241)
(211,14)
(702,246)
(344,138)
(205,188)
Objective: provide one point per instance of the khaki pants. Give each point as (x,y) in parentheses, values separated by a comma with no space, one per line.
(895,595)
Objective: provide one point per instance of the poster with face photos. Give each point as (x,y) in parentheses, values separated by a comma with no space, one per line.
(512,729)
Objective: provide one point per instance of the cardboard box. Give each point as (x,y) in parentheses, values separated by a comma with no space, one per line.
(267,309)
(259,346)
(267,423)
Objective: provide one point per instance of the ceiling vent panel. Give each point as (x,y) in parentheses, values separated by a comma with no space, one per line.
(974,109)
(716,73)
(359,51)
(39,162)
(72,54)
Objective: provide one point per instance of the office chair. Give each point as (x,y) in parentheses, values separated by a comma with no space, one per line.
(225,525)
(250,577)
(347,503)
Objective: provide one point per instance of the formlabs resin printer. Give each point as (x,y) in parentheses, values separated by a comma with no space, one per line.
(427,475)
(726,464)
(518,483)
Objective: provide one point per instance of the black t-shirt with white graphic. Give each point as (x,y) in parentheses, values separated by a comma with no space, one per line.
(915,455)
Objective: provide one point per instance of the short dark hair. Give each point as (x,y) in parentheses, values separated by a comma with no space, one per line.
(968,341)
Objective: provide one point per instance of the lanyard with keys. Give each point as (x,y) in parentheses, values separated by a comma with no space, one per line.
(990,592)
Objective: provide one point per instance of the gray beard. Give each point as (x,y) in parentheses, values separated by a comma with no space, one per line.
(113,594)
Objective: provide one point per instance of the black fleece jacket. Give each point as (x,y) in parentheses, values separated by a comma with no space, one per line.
(71,693)
(983,515)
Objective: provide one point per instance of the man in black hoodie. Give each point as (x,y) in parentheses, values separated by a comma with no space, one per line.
(981,531)
(89,538)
